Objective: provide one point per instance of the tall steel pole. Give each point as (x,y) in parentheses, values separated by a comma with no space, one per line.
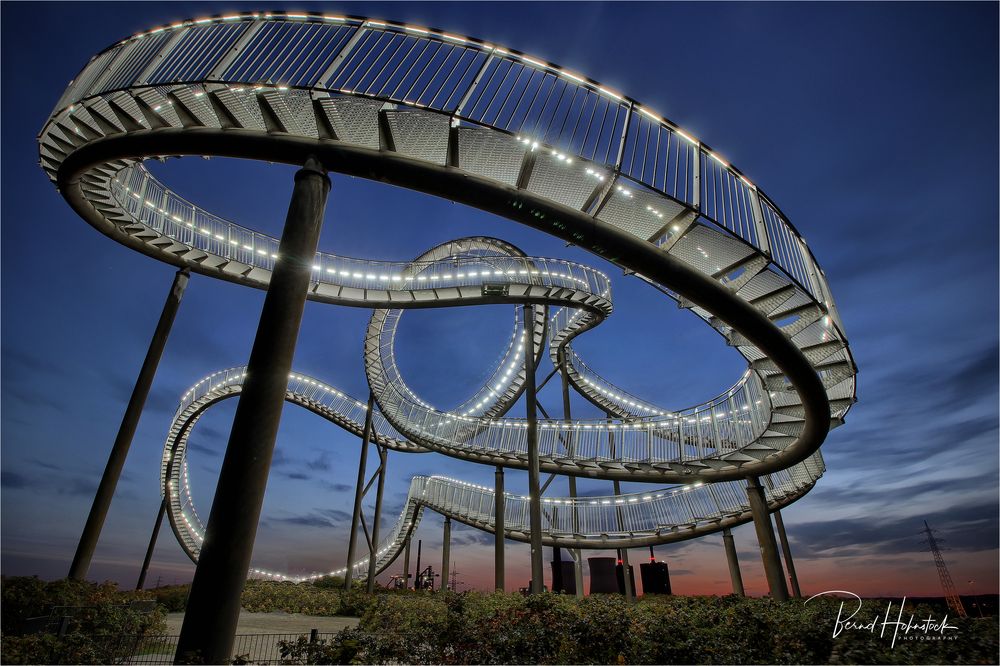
(152,544)
(126,431)
(622,552)
(406,565)
(534,486)
(499,505)
(567,416)
(213,608)
(446,553)
(734,562)
(765,537)
(359,492)
(383,456)
(416,580)
(786,550)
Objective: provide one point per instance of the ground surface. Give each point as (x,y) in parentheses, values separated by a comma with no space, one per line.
(275,623)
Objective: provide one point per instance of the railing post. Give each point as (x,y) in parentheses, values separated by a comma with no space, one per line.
(213,607)
(763,242)
(164,51)
(235,50)
(696,177)
(126,431)
(620,156)
(475,84)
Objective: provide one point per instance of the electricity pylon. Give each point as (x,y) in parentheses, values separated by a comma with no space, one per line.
(950,593)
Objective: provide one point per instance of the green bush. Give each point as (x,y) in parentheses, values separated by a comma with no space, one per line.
(266,596)
(103,628)
(341,650)
(173,598)
(604,629)
(330,582)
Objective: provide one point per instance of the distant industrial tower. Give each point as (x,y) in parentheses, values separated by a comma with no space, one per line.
(950,593)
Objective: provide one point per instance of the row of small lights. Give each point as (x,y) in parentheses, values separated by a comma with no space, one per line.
(506,376)
(505,423)
(572,501)
(384,277)
(204,231)
(452,38)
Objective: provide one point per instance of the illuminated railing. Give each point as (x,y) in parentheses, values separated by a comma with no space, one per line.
(151,203)
(547,107)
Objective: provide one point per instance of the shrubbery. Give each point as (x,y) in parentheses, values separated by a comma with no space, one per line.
(103,621)
(475,628)
(262,596)
(173,598)
(550,629)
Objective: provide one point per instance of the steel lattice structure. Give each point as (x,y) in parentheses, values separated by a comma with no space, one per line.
(531,141)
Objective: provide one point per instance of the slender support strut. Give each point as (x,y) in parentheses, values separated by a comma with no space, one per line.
(416,580)
(534,492)
(406,565)
(734,562)
(446,554)
(765,537)
(214,602)
(152,544)
(567,415)
(383,457)
(359,493)
(499,502)
(786,550)
(126,431)
(622,552)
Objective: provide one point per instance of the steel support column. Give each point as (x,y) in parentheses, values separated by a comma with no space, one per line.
(734,562)
(786,550)
(622,552)
(214,602)
(359,493)
(126,431)
(383,456)
(534,491)
(152,544)
(406,564)
(577,556)
(446,553)
(499,506)
(416,577)
(765,537)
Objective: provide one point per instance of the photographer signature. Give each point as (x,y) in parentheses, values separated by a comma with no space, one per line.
(926,626)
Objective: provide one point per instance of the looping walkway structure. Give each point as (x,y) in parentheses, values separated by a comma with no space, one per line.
(528,140)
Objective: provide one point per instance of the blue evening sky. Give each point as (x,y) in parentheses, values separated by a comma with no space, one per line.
(873,126)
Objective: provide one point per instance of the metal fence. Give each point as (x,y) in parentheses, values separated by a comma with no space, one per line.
(248,648)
